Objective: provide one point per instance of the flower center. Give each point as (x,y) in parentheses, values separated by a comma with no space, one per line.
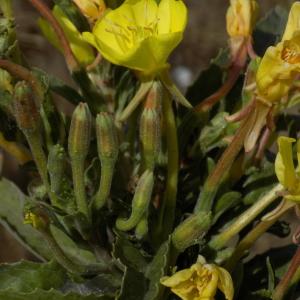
(290,53)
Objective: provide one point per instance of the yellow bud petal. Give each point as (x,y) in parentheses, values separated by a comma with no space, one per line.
(293,23)
(92,9)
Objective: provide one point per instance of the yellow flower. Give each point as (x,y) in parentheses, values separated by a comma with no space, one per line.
(200,282)
(140,34)
(92,9)
(241,17)
(281,63)
(80,48)
(285,170)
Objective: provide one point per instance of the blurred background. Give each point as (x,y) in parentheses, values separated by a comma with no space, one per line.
(204,36)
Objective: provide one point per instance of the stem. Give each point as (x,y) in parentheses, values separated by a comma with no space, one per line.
(48,15)
(215,179)
(233,75)
(23,73)
(248,241)
(107,171)
(291,277)
(167,212)
(79,186)
(244,219)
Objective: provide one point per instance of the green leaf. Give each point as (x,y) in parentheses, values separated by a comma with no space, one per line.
(271,275)
(27,276)
(129,255)
(156,270)
(48,295)
(133,286)
(224,203)
(11,215)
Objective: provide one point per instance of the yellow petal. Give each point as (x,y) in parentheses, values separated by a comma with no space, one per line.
(293,23)
(210,289)
(284,165)
(177,278)
(274,76)
(172,16)
(225,283)
(92,9)
(294,198)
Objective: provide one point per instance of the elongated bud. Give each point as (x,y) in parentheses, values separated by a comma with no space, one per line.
(140,202)
(80,132)
(92,9)
(26,112)
(150,126)
(107,139)
(191,230)
(56,167)
(141,229)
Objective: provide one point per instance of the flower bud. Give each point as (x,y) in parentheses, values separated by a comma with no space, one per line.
(107,139)
(26,112)
(92,9)
(191,230)
(56,167)
(80,132)
(140,202)
(150,126)
(141,229)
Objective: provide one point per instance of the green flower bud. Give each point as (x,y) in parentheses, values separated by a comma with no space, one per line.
(191,230)
(140,202)
(150,126)
(56,167)
(80,132)
(26,112)
(107,139)
(141,229)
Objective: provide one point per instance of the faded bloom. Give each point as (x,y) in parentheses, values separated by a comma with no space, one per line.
(285,170)
(92,9)
(80,48)
(200,282)
(140,34)
(281,63)
(241,17)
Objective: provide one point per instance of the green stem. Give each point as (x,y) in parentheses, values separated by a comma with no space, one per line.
(79,187)
(107,171)
(244,219)
(167,212)
(220,172)
(247,242)
(290,279)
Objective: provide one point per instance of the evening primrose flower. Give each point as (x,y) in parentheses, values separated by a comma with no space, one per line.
(281,63)
(80,48)
(140,34)
(200,282)
(241,17)
(285,170)
(92,9)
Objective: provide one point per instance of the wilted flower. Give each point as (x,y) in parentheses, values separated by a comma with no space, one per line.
(80,48)
(281,63)
(241,17)
(92,9)
(200,282)
(285,170)
(140,34)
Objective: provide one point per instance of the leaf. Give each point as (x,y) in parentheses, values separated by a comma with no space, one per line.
(11,215)
(48,295)
(133,285)
(156,270)
(271,275)
(270,29)
(224,203)
(129,255)
(27,276)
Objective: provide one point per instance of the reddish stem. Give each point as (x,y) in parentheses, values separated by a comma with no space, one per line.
(48,15)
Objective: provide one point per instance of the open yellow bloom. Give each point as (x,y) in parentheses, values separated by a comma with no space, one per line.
(241,17)
(92,9)
(281,63)
(140,34)
(285,170)
(200,282)
(80,48)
